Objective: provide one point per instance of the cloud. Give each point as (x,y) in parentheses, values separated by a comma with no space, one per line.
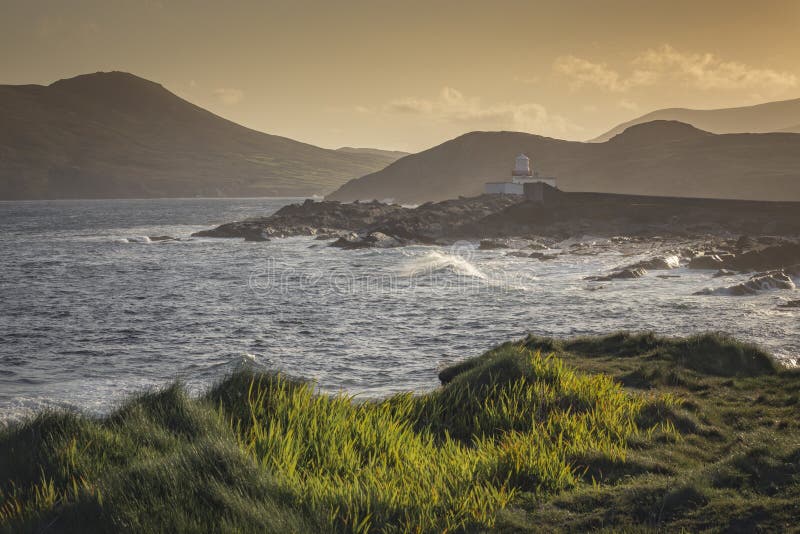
(452,106)
(583,72)
(628,104)
(228,96)
(706,71)
(665,64)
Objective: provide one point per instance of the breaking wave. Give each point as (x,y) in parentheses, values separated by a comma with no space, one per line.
(434,262)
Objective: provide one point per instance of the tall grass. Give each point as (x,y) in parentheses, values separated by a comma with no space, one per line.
(261,452)
(438,462)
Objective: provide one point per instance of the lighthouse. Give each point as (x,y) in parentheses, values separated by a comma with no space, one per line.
(522,168)
(521,174)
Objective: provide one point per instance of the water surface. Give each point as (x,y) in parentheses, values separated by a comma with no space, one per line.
(92,310)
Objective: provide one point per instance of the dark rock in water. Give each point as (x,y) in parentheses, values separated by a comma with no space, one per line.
(758,282)
(624,274)
(723,272)
(492,244)
(668,276)
(745,242)
(772,257)
(256,236)
(705,262)
(157,238)
(790,304)
(371,240)
(656,264)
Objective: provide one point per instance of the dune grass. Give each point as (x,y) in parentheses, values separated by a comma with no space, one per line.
(623,432)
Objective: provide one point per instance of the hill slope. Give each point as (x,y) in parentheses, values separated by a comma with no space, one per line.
(658,158)
(117,135)
(783,116)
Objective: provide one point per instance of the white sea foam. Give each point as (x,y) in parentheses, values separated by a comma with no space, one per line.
(139,239)
(672,261)
(436,261)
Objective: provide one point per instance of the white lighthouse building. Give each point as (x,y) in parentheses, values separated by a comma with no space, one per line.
(521,174)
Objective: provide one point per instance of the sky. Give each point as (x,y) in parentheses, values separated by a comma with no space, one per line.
(410,75)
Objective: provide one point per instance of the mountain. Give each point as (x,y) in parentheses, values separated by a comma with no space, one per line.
(114,134)
(665,158)
(393,154)
(783,116)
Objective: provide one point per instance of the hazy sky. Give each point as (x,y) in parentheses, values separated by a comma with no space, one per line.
(408,75)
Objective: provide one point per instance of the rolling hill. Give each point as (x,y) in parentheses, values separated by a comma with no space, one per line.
(665,158)
(783,116)
(115,135)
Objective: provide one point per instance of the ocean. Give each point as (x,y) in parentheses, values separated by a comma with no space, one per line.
(94,310)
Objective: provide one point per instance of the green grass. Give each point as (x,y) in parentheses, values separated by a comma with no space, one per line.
(622,432)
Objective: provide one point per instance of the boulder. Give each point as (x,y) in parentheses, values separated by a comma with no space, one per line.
(370,240)
(772,257)
(757,282)
(656,264)
(705,262)
(624,274)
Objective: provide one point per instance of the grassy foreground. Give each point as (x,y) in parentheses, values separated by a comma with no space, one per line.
(623,432)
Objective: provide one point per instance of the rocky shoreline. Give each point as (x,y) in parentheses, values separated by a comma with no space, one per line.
(504,217)
(694,233)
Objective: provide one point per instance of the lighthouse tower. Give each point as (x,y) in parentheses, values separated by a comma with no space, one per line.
(521,175)
(522,169)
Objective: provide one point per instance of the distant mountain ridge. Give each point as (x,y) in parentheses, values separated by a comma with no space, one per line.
(664,158)
(782,116)
(113,134)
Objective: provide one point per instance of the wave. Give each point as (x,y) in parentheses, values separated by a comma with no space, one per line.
(138,239)
(436,261)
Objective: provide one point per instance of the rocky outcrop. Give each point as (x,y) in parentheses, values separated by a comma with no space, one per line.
(370,240)
(624,274)
(758,282)
(661,263)
(772,257)
(423,224)
(711,261)
(508,221)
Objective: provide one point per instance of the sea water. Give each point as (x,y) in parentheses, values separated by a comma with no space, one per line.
(93,309)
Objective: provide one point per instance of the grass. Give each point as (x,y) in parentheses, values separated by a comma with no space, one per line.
(621,432)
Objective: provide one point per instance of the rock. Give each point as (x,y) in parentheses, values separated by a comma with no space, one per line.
(257,235)
(723,272)
(492,244)
(157,238)
(519,254)
(624,274)
(705,262)
(371,240)
(656,264)
(745,242)
(758,282)
(790,304)
(772,257)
